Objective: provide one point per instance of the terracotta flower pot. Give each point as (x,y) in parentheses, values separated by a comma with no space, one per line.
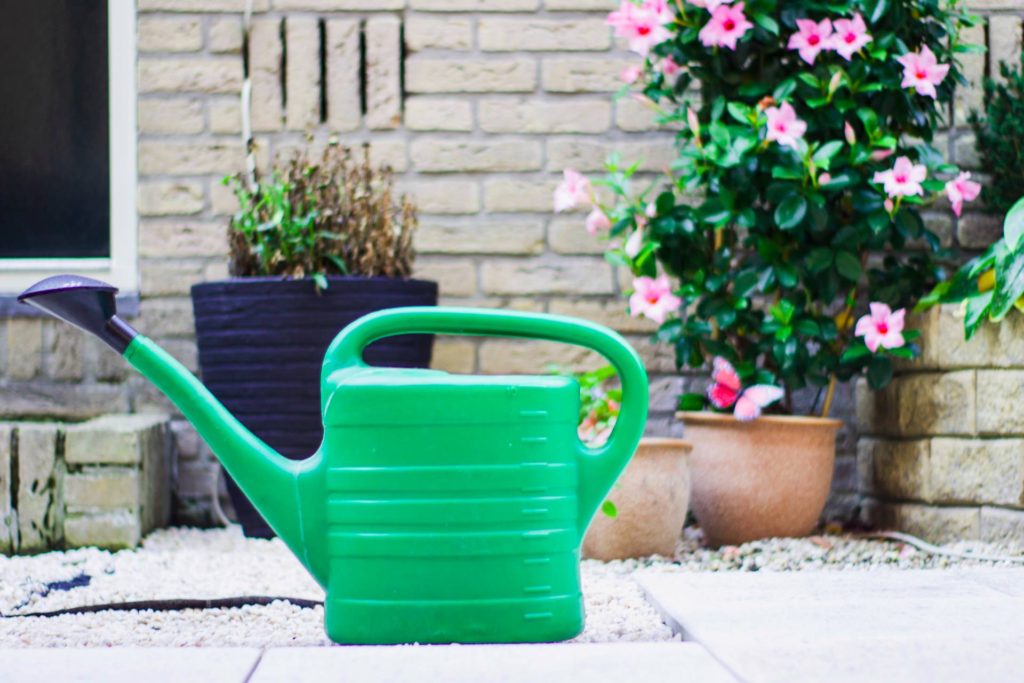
(760,479)
(652,497)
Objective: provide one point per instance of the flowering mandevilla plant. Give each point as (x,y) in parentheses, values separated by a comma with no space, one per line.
(803,160)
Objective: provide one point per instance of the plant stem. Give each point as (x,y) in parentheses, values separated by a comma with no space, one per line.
(717,242)
(826,407)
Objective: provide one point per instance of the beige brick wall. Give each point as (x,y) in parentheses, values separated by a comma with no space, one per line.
(478,104)
(941,452)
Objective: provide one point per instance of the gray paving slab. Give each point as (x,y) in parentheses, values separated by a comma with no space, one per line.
(1009,581)
(965,625)
(116,664)
(592,663)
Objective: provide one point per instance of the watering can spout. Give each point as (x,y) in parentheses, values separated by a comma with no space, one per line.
(269,480)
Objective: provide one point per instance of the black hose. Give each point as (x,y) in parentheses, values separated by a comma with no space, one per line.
(174,605)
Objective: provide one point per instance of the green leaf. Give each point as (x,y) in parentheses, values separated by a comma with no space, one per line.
(824,155)
(790,212)
(745,283)
(840,181)
(691,401)
(854,353)
(1009,284)
(739,111)
(617,258)
(879,372)
(720,134)
(819,259)
(977,312)
(767,23)
(807,327)
(608,509)
(909,223)
(783,311)
(714,212)
(870,120)
(784,90)
(810,79)
(876,10)
(665,203)
(848,265)
(879,221)
(338,262)
(787,173)
(787,275)
(1013,226)
(905,352)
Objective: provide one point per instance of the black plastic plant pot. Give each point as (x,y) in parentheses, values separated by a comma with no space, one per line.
(262,343)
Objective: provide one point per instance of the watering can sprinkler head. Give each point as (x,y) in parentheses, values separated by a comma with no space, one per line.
(85,303)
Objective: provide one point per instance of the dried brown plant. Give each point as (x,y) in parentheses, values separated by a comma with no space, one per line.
(336,215)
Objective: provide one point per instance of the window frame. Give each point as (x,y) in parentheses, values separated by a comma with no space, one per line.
(121,269)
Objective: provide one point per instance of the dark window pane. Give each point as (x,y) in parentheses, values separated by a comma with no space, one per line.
(54,153)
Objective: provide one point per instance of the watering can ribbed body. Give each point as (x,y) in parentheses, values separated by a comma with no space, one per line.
(439,508)
(452,515)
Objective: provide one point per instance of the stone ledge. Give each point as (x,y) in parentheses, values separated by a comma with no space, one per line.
(112,439)
(933,524)
(920,404)
(999,525)
(110,530)
(943,346)
(101,483)
(943,470)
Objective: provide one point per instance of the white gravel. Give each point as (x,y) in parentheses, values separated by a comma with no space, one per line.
(220,563)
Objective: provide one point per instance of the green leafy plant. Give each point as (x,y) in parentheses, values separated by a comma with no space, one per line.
(992,284)
(999,138)
(599,408)
(802,166)
(333,216)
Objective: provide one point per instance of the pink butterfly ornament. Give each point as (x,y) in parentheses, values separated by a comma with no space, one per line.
(726,391)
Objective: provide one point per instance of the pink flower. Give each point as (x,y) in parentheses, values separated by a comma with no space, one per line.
(961,189)
(597,222)
(727,25)
(574,191)
(850,36)
(882,154)
(635,243)
(642,25)
(669,68)
(882,327)
(903,179)
(922,71)
(693,122)
(631,74)
(824,178)
(783,125)
(811,39)
(849,133)
(653,298)
(709,5)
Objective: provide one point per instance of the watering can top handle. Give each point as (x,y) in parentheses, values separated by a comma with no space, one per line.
(599,466)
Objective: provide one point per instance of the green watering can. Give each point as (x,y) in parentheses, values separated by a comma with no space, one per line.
(440,508)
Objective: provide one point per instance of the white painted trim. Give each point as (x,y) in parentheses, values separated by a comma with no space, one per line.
(122,268)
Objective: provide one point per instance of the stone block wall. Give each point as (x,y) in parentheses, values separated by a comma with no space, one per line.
(942,448)
(477,104)
(104,482)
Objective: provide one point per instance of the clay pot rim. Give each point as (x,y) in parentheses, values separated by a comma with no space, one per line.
(663,441)
(787,420)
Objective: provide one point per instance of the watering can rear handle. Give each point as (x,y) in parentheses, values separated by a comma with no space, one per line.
(599,466)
